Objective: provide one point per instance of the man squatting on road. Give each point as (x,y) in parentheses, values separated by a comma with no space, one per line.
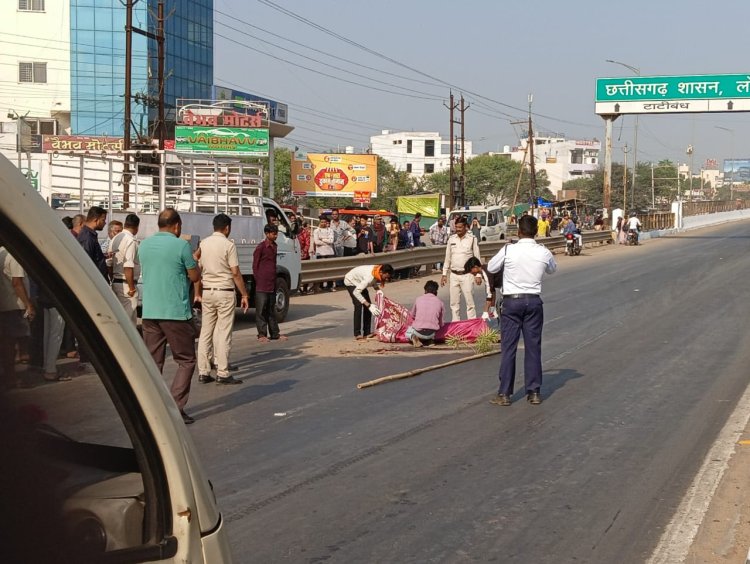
(525,263)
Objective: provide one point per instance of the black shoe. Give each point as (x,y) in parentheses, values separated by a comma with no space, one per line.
(206,379)
(228,380)
(501,400)
(534,398)
(186,419)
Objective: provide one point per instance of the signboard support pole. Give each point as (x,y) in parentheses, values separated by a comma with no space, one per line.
(271,171)
(163,181)
(607,195)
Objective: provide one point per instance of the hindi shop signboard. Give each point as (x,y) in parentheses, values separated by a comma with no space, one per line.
(673,94)
(221,128)
(330,176)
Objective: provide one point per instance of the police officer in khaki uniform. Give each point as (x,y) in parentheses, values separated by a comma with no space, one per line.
(125,266)
(461,247)
(220,276)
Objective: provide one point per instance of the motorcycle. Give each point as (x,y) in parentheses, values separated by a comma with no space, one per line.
(632,237)
(572,246)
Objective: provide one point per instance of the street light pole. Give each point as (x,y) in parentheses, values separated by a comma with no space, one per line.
(637,72)
(690,154)
(625,150)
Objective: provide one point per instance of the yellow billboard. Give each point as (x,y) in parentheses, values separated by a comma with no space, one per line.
(334,175)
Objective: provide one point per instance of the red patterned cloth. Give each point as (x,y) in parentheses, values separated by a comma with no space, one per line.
(395,319)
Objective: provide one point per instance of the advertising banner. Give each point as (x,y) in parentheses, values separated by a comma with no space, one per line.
(251,142)
(343,176)
(51,143)
(426,204)
(737,171)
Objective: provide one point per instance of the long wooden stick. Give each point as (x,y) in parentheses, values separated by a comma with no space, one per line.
(418,371)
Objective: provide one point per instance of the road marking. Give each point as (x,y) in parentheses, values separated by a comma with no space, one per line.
(677,538)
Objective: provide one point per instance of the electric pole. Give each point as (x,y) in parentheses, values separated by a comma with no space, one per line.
(532,168)
(462,180)
(625,150)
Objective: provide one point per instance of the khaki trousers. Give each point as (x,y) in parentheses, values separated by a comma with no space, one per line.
(458,285)
(129,304)
(217,323)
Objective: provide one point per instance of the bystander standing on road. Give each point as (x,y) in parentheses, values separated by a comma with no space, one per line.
(16,312)
(113,228)
(339,227)
(460,248)
(393,230)
(381,236)
(96,219)
(323,241)
(543,226)
(305,239)
(357,280)
(524,265)
(264,272)
(220,275)
(350,238)
(416,230)
(125,266)
(168,268)
(365,237)
(427,312)
(439,234)
(77,222)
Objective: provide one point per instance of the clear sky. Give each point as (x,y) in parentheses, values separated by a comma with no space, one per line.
(390,64)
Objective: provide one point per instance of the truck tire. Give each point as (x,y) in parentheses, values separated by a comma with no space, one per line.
(281,303)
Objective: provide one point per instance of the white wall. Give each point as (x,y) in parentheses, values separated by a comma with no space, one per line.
(35,37)
(393,148)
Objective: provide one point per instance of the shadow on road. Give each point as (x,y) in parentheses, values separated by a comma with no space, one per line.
(556,379)
(242,395)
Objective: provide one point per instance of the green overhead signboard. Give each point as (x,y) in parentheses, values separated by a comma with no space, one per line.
(673,94)
(251,142)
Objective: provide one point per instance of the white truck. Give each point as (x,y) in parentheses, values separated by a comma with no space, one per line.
(198,190)
(100,468)
(491,220)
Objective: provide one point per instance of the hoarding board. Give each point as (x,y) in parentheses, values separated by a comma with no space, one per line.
(334,175)
(251,142)
(737,171)
(673,94)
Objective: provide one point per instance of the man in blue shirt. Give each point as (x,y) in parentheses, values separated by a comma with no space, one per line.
(168,268)
(416,230)
(571,227)
(96,219)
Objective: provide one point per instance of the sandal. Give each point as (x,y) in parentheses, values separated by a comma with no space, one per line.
(72,354)
(264,340)
(359,338)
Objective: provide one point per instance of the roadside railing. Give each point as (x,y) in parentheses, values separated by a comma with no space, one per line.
(657,221)
(322,270)
(714,206)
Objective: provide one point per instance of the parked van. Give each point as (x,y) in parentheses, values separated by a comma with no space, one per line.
(491,220)
(99,468)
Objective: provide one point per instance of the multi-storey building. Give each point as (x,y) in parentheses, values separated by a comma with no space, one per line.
(562,159)
(417,153)
(62,62)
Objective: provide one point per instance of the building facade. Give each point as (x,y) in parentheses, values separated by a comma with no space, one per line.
(418,153)
(562,159)
(62,62)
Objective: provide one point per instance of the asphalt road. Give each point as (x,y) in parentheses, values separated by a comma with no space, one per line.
(645,355)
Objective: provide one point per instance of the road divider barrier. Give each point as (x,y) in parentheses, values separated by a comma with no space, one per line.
(323,270)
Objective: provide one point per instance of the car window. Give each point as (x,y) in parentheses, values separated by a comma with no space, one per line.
(492,218)
(78,427)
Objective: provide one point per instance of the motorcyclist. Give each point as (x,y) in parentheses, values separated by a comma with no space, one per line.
(570,227)
(634,225)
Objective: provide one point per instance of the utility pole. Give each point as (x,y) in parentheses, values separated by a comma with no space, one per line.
(532,168)
(653,199)
(625,150)
(452,179)
(690,154)
(127,119)
(161,130)
(462,180)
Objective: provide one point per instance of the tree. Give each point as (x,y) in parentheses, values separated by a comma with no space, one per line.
(492,180)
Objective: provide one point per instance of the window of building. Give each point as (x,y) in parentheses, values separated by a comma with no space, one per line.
(408,145)
(576,156)
(429,167)
(31,5)
(32,72)
(42,126)
(408,167)
(429,148)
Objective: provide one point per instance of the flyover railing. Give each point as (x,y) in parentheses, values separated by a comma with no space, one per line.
(323,270)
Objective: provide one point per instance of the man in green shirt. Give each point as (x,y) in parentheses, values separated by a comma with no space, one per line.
(168,268)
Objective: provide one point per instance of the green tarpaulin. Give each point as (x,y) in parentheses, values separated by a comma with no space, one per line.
(426,204)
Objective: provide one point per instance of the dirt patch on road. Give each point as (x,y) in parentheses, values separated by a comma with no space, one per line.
(372,347)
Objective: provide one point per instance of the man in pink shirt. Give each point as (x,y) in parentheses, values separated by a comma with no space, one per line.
(428,315)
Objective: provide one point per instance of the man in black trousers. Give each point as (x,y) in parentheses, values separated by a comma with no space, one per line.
(524,264)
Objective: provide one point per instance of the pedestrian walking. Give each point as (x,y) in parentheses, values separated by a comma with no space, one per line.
(524,265)
(357,281)
(264,272)
(125,266)
(168,267)
(461,247)
(220,275)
